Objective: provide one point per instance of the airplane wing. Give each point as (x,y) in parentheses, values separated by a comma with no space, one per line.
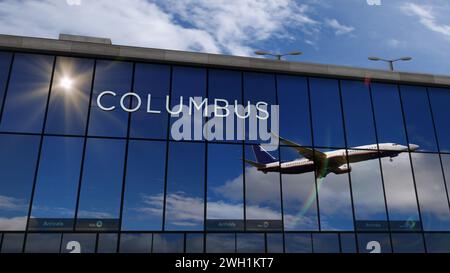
(306,152)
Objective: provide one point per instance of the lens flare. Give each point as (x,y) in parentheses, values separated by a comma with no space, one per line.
(66,83)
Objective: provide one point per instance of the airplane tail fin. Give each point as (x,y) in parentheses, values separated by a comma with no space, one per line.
(262,156)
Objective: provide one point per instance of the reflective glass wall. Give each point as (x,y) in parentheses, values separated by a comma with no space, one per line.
(360,166)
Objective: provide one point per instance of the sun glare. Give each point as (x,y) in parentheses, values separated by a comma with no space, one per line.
(66,83)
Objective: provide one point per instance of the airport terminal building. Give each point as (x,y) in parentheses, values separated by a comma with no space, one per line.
(89,161)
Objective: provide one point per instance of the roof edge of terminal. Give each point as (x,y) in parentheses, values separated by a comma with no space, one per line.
(86,39)
(102,48)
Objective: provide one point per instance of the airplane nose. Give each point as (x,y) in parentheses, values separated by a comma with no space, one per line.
(413,147)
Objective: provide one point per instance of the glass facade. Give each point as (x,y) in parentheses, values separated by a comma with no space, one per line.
(84,176)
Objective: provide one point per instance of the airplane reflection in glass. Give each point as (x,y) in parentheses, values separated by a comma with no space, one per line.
(325,162)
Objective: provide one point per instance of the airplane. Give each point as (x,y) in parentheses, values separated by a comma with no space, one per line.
(325,162)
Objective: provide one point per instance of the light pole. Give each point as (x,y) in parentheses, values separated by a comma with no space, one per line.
(390,61)
(277,55)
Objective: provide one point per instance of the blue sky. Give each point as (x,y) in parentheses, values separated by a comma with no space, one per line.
(343,32)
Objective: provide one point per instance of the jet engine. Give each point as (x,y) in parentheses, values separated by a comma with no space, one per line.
(344,168)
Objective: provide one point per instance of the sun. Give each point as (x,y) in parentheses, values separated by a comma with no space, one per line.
(66,83)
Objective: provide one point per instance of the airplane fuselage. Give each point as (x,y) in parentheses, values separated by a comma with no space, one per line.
(336,161)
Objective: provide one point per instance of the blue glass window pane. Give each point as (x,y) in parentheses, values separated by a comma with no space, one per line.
(299,196)
(325,243)
(263,196)
(78,243)
(220,243)
(259,87)
(298,243)
(188,82)
(358,115)
(144,188)
(430,185)
(194,242)
(69,98)
(5,63)
(107,243)
(27,93)
(150,79)
(388,114)
(348,243)
(12,243)
(185,186)
(43,243)
(374,243)
(439,99)
(226,85)
(400,193)
(407,243)
(335,202)
(225,191)
(250,243)
(293,99)
(17,168)
(56,190)
(446,167)
(368,193)
(437,242)
(168,243)
(101,183)
(110,76)
(326,113)
(136,243)
(419,123)
(274,242)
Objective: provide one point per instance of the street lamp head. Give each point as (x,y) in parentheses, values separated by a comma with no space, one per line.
(390,61)
(261,52)
(278,55)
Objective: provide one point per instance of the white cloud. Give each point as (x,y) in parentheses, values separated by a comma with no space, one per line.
(11,203)
(13,223)
(393,42)
(264,187)
(224,210)
(55,211)
(153,205)
(237,24)
(132,22)
(185,210)
(94,214)
(426,17)
(207,26)
(339,29)
(73,2)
